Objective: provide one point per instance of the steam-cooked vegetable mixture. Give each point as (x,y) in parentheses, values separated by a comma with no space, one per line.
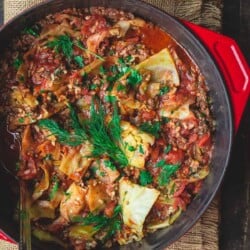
(115,126)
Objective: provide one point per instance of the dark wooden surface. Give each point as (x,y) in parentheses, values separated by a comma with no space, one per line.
(1,12)
(235,190)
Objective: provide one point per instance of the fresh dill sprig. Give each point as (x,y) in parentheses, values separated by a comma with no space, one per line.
(114,125)
(109,225)
(79,130)
(105,138)
(114,223)
(98,221)
(110,165)
(151,128)
(101,137)
(62,135)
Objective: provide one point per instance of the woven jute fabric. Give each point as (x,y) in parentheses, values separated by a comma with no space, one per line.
(4,245)
(204,234)
(204,12)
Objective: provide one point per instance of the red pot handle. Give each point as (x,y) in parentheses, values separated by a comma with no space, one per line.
(231,63)
(5,237)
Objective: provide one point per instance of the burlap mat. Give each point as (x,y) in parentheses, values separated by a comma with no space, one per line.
(5,245)
(204,235)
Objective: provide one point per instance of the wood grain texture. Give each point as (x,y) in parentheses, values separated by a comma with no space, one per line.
(1,12)
(235,209)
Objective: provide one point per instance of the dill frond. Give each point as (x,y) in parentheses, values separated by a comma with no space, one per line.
(61,134)
(75,123)
(114,125)
(101,137)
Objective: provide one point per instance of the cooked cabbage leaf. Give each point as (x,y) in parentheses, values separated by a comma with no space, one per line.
(136,202)
(162,68)
(138,140)
(72,203)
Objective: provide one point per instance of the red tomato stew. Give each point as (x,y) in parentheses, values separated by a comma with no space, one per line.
(115,126)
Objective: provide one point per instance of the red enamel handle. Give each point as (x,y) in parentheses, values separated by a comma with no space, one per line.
(232,65)
(5,237)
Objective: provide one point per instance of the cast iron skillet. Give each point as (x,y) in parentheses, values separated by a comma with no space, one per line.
(221,111)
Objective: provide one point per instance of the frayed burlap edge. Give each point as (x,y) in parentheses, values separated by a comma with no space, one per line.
(4,245)
(204,235)
(13,7)
(204,12)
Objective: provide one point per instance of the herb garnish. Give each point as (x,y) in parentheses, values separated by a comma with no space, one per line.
(109,164)
(76,125)
(110,98)
(151,128)
(131,148)
(110,225)
(102,174)
(62,44)
(79,61)
(34,31)
(114,125)
(134,78)
(167,170)
(55,187)
(93,86)
(167,149)
(121,87)
(62,135)
(102,70)
(72,139)
(17,63)
(104,138)
(117,73)
(141,149)
(160,163)
(145,178)
(165,120)
(21,120)
(122,69)
(164,90)
(128,58)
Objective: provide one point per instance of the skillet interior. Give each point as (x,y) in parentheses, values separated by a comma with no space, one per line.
(221,111)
